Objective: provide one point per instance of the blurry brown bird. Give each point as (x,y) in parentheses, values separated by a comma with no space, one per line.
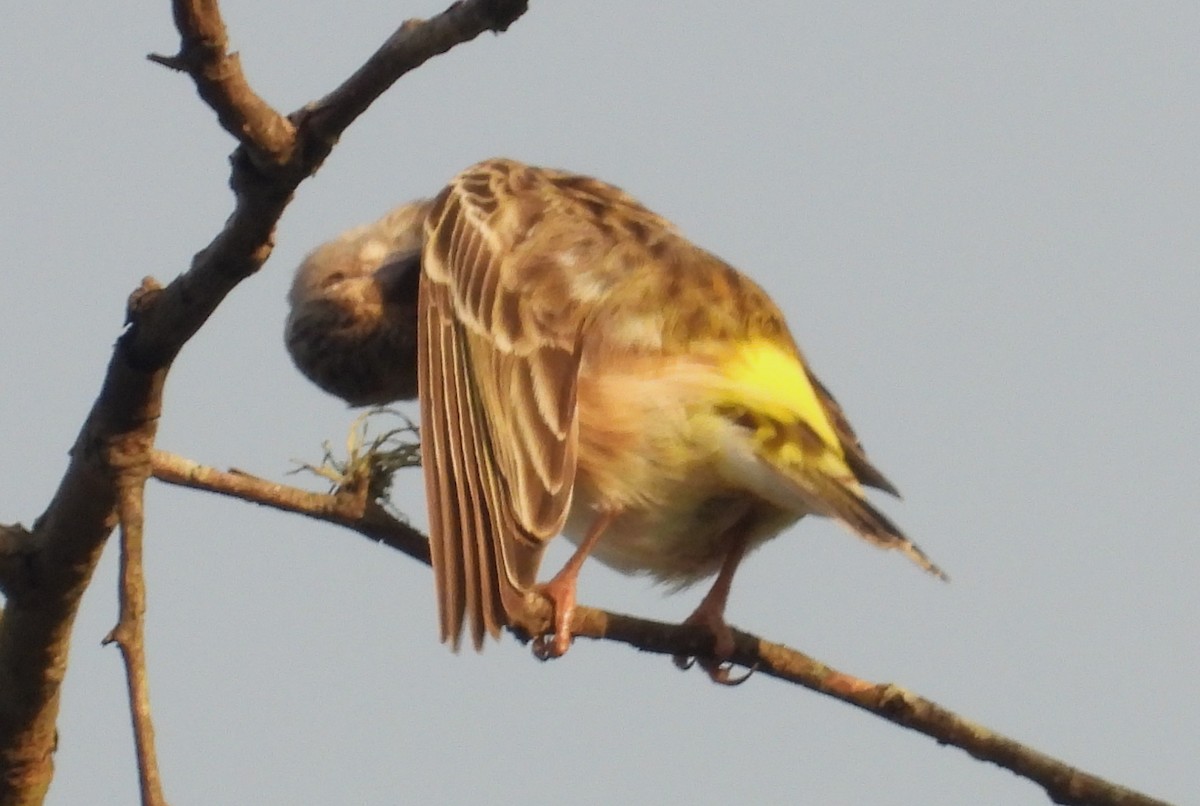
(585,369)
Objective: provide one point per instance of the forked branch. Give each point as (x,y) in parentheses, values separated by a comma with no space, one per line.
(44,572)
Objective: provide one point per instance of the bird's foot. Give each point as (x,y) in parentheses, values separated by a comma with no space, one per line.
(561,593)
(718,665)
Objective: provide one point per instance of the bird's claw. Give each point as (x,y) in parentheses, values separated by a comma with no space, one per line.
(721,673)
(718,671)
(549,646)
(717,665)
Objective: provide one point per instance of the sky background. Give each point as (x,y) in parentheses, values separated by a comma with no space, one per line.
(982,226)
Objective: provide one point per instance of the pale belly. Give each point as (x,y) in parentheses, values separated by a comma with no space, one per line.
(683,542)
(652,448)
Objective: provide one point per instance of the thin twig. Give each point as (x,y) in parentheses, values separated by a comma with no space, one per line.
(130,635)
(1063,783)
(348,508)
(410,46)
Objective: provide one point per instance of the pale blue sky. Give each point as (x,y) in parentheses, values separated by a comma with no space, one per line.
(982,225)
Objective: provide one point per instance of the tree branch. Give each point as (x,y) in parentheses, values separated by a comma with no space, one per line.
(274,156)
(1063,783)
(130,634)
(412,44)
(222,84)
(66,541)
(349,508)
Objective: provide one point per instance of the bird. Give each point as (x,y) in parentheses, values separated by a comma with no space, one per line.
(584,369)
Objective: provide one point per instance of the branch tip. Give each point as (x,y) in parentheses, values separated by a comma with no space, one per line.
(503,13)
(175,63)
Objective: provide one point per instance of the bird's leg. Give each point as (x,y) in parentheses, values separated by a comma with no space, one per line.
(561,592)
(711,614)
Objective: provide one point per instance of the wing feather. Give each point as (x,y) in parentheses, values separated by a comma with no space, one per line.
(499,361)
(481,601)
(437,464)
(856,457)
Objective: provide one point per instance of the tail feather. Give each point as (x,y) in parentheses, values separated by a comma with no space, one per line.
(855,512)
(793,468)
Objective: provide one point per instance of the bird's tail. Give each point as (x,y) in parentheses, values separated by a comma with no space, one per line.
(789,464)
(846,504)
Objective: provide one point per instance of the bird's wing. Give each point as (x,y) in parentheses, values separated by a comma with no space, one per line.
(856,457)
(499,356)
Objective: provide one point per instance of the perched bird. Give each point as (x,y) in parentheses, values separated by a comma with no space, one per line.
(584,369)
